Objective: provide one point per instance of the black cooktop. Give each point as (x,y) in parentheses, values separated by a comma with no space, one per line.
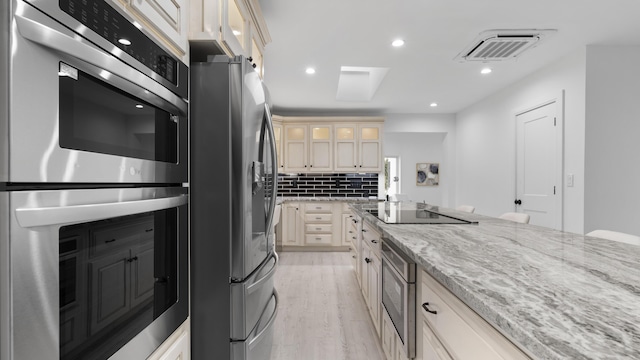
(413,213)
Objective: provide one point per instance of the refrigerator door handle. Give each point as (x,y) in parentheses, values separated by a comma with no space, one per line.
(258,283)
(274,166)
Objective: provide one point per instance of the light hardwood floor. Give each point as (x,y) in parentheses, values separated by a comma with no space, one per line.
(322,314)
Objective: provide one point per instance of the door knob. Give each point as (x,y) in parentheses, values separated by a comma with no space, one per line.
(518,202)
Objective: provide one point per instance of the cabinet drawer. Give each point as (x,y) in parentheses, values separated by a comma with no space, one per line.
(318,218)
(372,238)
(464,333)
(318,228)
(319,239)
(318,208)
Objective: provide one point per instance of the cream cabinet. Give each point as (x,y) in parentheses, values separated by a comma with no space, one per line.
(451,330)
(291,223)
(295,144)
(308,148)
(370,272)
(315,224)
(331,144)
(176,347)
(167,21)
(233,27)
(358,147)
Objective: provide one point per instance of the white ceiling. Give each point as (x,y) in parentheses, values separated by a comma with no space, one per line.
(328,34)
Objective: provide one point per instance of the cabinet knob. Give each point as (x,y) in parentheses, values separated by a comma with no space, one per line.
(364,230)
(425,307)
(374,241)
(367,260)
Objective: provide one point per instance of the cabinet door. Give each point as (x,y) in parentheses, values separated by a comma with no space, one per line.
(256,54)
(295,148)
(180,350)
(109,289)
(388,337)
(142,276)
(432,349)
(321,148)
(370,148)
(373,277)
(291,225)
(347,231)
(364,266)
(169,17)
(235,26)
(345,158)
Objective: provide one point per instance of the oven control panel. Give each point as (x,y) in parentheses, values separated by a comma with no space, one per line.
(115,28)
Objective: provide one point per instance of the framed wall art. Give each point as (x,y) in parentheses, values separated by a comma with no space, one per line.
(427,174)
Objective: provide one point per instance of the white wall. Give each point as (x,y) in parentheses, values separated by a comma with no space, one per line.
(404,135)
(485,146)
(413,148)
(612,139)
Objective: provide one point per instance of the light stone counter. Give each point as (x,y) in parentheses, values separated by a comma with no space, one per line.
(282,199)
(557,295)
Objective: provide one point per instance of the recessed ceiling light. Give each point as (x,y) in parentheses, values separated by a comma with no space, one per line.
(311,70)
(433,104)
(124,42)
(236,32)
(486,71)
(139,106)
(397,43)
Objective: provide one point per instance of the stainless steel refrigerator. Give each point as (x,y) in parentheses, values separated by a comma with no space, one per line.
(233,177)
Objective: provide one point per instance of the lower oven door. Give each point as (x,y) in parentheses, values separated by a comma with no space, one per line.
(398,300)
(96,274)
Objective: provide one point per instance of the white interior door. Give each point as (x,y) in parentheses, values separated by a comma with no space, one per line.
(539,165)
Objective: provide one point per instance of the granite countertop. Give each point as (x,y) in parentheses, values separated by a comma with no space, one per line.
(557,295)
(282,199)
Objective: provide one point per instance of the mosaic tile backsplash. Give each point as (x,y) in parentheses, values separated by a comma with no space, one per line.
(328,185)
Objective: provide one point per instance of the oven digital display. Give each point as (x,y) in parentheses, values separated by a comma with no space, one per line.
(105,21)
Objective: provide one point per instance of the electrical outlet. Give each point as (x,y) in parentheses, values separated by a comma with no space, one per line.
(569,180)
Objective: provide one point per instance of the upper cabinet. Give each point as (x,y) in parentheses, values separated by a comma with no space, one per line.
(165,20)
(358,147)
(331,144)
(232,27)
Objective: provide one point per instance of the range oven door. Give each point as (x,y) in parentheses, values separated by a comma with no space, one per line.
(88,116)
(94,274)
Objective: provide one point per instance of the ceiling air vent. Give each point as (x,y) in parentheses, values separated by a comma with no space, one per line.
(500,45)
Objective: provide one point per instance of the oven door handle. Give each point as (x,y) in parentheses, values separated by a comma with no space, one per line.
(46,216)
(63,43)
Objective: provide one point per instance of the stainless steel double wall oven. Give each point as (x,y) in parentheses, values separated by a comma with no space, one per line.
(93,162)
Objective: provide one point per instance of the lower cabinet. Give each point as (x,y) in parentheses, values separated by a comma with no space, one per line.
(370,274)
(455,331)
(317,224)
(432,348)
(176,347)
(291,224)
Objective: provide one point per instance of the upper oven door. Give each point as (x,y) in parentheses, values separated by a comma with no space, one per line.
(79,114)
